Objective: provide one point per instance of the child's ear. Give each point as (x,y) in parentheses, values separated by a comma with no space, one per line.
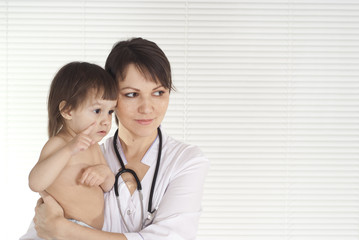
(65,112)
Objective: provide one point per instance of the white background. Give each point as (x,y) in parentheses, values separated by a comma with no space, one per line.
(268,89)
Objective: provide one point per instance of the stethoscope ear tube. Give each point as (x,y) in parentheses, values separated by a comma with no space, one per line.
(116,184)
(116,150)
(156,172)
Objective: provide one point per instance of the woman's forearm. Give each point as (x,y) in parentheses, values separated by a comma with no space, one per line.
(69,230)
(50,224)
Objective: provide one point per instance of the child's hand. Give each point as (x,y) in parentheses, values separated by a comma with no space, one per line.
(95,175)
(82,141)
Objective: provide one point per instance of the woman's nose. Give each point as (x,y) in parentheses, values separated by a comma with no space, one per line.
(146,106)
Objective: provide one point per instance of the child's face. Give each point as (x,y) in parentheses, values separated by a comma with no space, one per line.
(93,110)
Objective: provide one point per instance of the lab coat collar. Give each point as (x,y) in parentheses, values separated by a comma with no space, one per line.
(151,154)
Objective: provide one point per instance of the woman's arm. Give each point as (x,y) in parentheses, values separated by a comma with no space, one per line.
(50,224)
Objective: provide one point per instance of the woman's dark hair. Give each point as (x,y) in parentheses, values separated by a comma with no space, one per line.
(72,84)
(149,59)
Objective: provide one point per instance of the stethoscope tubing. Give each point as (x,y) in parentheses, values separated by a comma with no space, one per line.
(133,173)
(139,186)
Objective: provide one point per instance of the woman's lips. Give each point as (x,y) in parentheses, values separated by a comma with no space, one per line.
(144,121)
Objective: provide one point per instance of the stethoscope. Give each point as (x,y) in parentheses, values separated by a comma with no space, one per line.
(123,169)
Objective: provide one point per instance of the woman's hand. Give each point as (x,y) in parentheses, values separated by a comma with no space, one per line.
(47,215)
(50,224)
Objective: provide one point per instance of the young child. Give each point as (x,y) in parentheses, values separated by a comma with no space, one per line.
(71,166)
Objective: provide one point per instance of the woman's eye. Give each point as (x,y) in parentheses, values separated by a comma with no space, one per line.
(97,111)
(159,93)
(131,95)
(110,112)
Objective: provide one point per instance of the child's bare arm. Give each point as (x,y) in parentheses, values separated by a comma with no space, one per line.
(110,180)
(54,157)
(98,175)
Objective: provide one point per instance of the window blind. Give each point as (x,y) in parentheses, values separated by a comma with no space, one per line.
(267,88)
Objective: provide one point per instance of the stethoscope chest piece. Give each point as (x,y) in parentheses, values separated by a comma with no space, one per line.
(149,216)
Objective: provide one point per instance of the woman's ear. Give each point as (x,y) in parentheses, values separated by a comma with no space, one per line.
(65,112)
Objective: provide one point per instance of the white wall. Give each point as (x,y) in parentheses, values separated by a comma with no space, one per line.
(267,88)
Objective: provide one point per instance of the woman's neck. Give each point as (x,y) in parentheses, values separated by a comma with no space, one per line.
(135,147)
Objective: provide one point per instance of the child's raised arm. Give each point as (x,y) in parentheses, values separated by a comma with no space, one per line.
(53,158)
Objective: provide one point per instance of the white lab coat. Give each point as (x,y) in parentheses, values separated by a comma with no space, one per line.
(177,194)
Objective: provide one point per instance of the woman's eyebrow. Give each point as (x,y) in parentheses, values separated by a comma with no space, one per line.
(159,86)
(132,88)
(138,90)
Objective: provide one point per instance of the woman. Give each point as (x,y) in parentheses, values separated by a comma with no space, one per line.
(171,173)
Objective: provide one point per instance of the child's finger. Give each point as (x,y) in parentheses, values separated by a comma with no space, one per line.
(88,180)
(93,181)
(83,177)
(86,144)
(88,130)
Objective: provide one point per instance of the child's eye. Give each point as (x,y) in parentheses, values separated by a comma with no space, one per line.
(131,95)
(110,112)
(97,111)
(159,93)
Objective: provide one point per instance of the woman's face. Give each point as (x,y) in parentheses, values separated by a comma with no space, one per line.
(142,103)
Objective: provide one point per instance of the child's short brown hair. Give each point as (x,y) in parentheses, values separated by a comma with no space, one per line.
(72,84)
